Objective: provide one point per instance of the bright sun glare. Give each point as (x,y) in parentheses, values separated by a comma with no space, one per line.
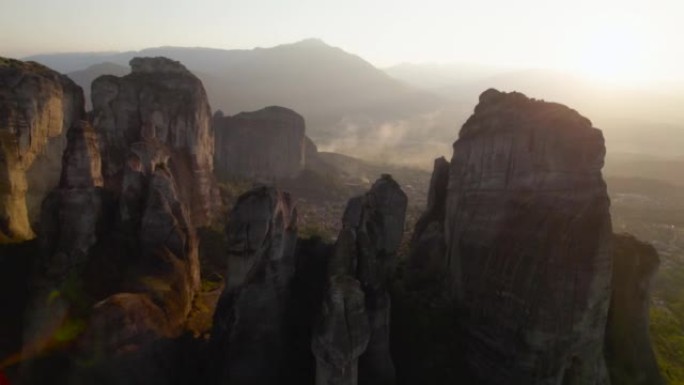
(615,53)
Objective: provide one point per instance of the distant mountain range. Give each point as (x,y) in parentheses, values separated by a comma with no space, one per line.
(407,113)
(328,86)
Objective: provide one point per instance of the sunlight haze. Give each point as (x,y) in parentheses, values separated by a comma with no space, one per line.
(613,41)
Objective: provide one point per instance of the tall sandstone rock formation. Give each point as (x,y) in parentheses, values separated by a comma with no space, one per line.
(249,334)
(351,341)
(528,237)
(159,102)
(37,106)
(266,144)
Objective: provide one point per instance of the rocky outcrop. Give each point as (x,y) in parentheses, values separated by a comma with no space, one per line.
(373,226)
(266,144)
(160,101)
(120,270)
(249,338)
(73,216)
(427,243)
(37,106)
(528,240)
(342,333)
(628,345)
(73,212)
(156,295)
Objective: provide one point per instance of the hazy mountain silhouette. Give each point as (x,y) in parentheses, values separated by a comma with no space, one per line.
(352,107)
(327,85)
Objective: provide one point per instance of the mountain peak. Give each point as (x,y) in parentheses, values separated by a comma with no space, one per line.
(312,42)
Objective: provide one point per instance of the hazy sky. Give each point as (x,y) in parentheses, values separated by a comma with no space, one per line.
(640,40)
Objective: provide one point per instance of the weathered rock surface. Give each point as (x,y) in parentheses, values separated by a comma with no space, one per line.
(120,271)
(156,296)
(528,237)
(37,106)
(160,101)
(373,226)
(342,333)
(74,215)
(427,244)
(267,144)
(629,353)
(249,338)
(74,211)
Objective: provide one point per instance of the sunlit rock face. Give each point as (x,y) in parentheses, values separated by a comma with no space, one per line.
(159,101)
(265,144)
(528,240)
(37,106)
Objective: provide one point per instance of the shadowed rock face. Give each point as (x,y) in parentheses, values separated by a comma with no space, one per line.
(268,144)
(37,106)
(249,337)
(121,274)
(342,333)
(73,217)
(373,225)
(159,101)
(528,237)
(427,244)
(628,345)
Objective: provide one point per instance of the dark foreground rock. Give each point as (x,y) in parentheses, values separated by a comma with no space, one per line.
(628,345)
(373,225)
(249,337)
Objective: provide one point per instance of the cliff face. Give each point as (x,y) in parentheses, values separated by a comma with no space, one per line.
(159,101)
(37,106)
(628,345)
(528,239)
(73,217)
(268,144)
(427,243)
(120,265)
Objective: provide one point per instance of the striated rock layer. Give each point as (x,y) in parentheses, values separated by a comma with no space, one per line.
(528,237)
(267,144)
(373,225)
(37,106)
(159,101)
